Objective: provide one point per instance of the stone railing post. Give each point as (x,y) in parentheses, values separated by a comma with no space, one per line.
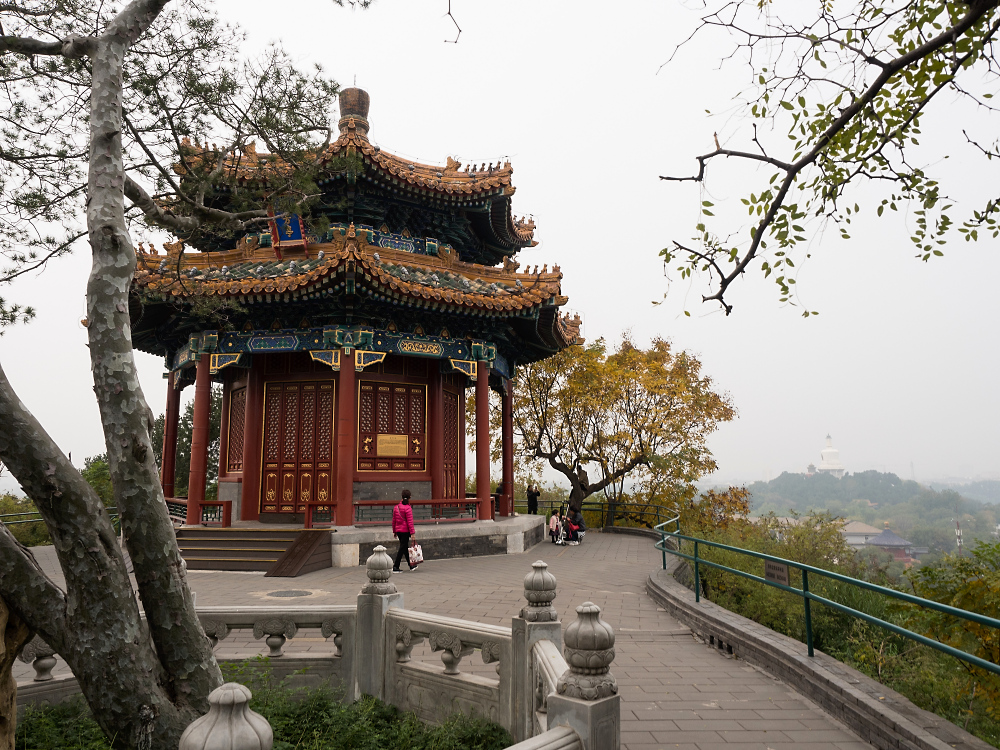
(538,621)
(229,723)
(586,697)
(41,656)
(376,598)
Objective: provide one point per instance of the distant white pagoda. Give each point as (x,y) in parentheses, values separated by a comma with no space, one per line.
(830,460)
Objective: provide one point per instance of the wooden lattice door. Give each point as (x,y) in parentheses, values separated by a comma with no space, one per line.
(298,446)
(451,445)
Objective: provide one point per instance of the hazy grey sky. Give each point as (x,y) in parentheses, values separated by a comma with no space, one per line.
(900,366)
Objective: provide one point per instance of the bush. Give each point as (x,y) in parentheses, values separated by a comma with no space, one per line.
(930,679)
(28,534)
(302,719)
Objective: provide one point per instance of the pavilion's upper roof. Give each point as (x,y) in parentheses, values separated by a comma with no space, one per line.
(481,193)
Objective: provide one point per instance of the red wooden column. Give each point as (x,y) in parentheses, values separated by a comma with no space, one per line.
(169,454)
(436,448)
(199,440)
(347,428)
(507,448)
(483,440)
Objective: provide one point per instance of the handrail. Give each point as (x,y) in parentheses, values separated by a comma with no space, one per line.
(112,511)
(808,596)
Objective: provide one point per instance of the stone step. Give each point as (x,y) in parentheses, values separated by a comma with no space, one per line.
(235,563)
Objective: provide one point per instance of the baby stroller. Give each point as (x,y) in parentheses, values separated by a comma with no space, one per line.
(560,535)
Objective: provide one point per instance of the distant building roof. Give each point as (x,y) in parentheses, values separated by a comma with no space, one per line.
(859,527)
(888,539)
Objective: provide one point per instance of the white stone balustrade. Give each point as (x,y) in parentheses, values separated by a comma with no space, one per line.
(434,692)
(550,696)
(547,666)
(275,625)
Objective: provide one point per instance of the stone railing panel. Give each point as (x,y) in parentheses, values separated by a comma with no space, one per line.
(433,692)
(546,667)
(557,738)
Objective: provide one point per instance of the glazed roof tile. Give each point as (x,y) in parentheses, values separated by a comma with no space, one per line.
(888,539)
(449,180)
(252,270)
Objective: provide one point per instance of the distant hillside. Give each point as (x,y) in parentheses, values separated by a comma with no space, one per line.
(923,515)
(803,493)
(985,491)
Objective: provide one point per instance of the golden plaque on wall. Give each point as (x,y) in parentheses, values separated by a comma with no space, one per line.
(391,445)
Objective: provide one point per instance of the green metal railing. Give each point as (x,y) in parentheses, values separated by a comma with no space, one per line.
(809,596)
(649,515)
(5,518)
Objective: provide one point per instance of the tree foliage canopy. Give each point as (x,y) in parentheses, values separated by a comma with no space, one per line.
(972,583)
(631,417)
(850,85)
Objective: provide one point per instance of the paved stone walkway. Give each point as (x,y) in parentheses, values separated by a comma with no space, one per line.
(677,693)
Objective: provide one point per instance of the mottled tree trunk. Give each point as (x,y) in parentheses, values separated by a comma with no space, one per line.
(189,670)
(144,681)
(14,635)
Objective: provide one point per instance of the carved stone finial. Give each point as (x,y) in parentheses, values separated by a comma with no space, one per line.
(229,723)
(589,648)
(379,568)
(540,591)
(41,656)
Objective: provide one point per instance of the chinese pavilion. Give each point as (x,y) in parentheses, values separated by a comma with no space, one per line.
(345,358)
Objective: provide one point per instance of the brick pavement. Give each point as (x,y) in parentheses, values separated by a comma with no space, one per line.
(677,693)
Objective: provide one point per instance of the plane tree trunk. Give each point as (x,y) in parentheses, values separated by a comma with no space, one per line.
(145,680)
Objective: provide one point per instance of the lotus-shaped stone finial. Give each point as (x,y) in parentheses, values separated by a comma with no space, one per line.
(379,569)
(589,648)
(540,591)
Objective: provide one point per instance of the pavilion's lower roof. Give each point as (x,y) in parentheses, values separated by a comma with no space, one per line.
(348,267)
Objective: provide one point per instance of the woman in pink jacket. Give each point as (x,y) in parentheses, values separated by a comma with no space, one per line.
(402,527)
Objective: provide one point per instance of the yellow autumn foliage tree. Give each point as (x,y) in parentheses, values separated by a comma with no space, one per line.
(611,422)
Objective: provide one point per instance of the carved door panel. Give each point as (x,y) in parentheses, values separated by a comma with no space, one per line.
(450,445)
(298,446)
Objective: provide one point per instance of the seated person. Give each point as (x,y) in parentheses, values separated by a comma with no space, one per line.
(575,526)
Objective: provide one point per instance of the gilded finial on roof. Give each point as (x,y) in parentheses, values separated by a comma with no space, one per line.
(452,165)
(354,103)
(174,248)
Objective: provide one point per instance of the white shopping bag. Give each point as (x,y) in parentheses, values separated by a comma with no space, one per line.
(416,555)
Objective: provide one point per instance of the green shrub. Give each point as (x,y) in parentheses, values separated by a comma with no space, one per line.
(28,534)
(930,679)
(302,719)
(65,725)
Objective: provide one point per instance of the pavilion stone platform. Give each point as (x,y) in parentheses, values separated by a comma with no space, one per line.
(283,550)
(351,545)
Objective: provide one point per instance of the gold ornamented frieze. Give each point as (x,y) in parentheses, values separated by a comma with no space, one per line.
(421,347)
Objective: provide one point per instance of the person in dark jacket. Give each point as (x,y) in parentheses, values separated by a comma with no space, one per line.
(402,527)
(575,526)
(533,495)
